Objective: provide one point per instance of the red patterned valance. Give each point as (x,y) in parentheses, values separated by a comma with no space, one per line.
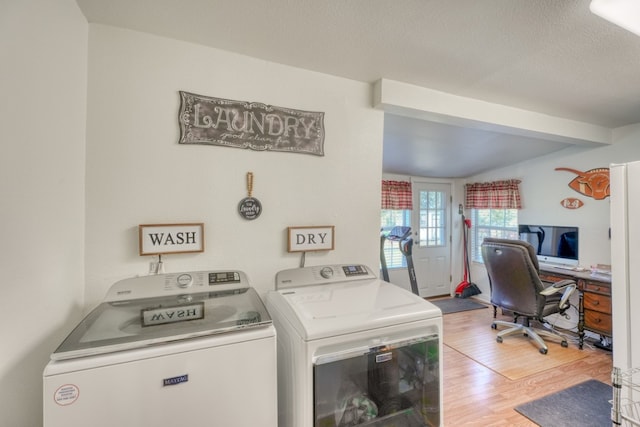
(396,195)
(493,195)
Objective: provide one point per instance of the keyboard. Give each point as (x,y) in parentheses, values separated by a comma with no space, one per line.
(558,266)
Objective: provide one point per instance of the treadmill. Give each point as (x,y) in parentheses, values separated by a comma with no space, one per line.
(402,235)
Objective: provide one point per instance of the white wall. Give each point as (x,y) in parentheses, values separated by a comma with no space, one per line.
(138,173)
(543,188)
(43,46)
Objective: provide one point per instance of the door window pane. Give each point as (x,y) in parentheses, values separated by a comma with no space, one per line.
(432,218)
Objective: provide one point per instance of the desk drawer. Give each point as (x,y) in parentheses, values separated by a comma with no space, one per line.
(597,287)
(596,321)
(597,302)
(552,278)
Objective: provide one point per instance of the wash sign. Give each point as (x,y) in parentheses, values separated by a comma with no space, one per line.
(307,239)
(158,239)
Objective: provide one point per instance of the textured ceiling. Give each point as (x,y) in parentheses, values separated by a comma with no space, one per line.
(547,56)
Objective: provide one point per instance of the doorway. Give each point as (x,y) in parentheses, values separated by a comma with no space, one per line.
(431,227)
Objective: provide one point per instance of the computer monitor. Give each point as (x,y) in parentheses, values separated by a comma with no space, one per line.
(554,244)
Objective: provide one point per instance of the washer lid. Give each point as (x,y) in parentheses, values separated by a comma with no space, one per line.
(339,308)
(127,324)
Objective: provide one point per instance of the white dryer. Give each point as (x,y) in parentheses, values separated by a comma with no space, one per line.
(193,348)
(355,350)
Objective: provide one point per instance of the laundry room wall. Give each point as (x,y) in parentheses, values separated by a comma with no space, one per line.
(43,82)
(137,173)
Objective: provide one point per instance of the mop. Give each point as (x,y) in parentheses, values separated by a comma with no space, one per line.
(466,288)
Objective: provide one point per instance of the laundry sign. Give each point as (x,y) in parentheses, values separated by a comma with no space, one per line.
(158,239)
(243,124)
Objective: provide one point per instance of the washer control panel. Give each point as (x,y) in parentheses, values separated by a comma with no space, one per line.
(174,283)
(354,270)
(220,277)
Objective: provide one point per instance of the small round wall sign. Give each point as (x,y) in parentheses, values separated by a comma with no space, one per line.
(250,207)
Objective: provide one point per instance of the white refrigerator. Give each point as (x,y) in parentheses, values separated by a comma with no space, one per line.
(625,292)
(625,264)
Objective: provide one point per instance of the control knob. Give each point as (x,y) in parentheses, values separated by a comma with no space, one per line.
(184,280)
(326,272)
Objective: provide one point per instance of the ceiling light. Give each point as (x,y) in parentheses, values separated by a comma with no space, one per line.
(625,13)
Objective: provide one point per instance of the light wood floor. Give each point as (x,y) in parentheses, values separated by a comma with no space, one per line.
(477,396)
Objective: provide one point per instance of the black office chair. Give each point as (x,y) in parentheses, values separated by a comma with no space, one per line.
(513,270)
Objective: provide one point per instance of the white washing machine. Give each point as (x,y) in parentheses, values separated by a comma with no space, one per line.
(355,350)
(193,348)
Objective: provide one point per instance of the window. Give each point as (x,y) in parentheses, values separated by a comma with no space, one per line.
(494,211)
(433,226)
(396,211)
(391,218)
(500,223)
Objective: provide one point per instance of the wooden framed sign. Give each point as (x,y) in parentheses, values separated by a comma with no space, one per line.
(158,239)
(243,124)
(307,239)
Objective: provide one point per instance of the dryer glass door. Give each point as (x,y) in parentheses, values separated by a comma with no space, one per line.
(389,385)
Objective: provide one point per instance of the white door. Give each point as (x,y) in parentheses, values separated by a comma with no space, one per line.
(432,237)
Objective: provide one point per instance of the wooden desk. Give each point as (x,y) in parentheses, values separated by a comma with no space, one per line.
(594,308)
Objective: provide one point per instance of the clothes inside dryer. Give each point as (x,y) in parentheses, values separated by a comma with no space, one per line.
(396,384)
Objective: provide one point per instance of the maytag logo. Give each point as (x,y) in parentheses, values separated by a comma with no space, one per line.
(175,380)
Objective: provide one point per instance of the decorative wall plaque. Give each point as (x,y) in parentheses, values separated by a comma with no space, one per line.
(241,124)
(592,183)
(308,239)
(571,203)
(250,207)
(158,239)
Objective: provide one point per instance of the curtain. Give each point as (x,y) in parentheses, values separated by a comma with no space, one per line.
(396,195)
(493,195)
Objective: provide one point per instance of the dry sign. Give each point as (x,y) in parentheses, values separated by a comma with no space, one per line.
(307,239)
(158,239)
